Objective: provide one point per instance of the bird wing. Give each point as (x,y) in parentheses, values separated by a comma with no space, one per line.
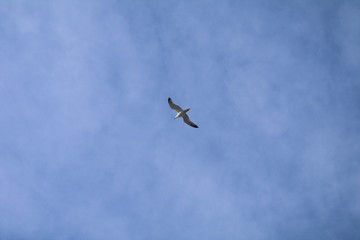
(188,122)
(174,106)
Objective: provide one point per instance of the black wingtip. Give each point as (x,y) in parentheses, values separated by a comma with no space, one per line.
(196,126)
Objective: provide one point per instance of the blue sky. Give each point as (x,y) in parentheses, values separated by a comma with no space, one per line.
(89,148)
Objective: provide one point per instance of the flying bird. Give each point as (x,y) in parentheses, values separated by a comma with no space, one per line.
(181,113)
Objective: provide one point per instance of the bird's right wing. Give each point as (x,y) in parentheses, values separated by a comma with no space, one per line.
(188,122)
(174,106)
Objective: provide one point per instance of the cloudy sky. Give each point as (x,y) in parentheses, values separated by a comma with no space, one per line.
(89,148)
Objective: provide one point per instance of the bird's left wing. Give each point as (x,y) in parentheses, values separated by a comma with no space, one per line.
(174,106)
(188,122)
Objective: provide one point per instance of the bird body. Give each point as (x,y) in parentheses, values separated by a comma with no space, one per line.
(181,113)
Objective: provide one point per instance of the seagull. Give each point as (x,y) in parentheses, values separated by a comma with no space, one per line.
(181,113)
